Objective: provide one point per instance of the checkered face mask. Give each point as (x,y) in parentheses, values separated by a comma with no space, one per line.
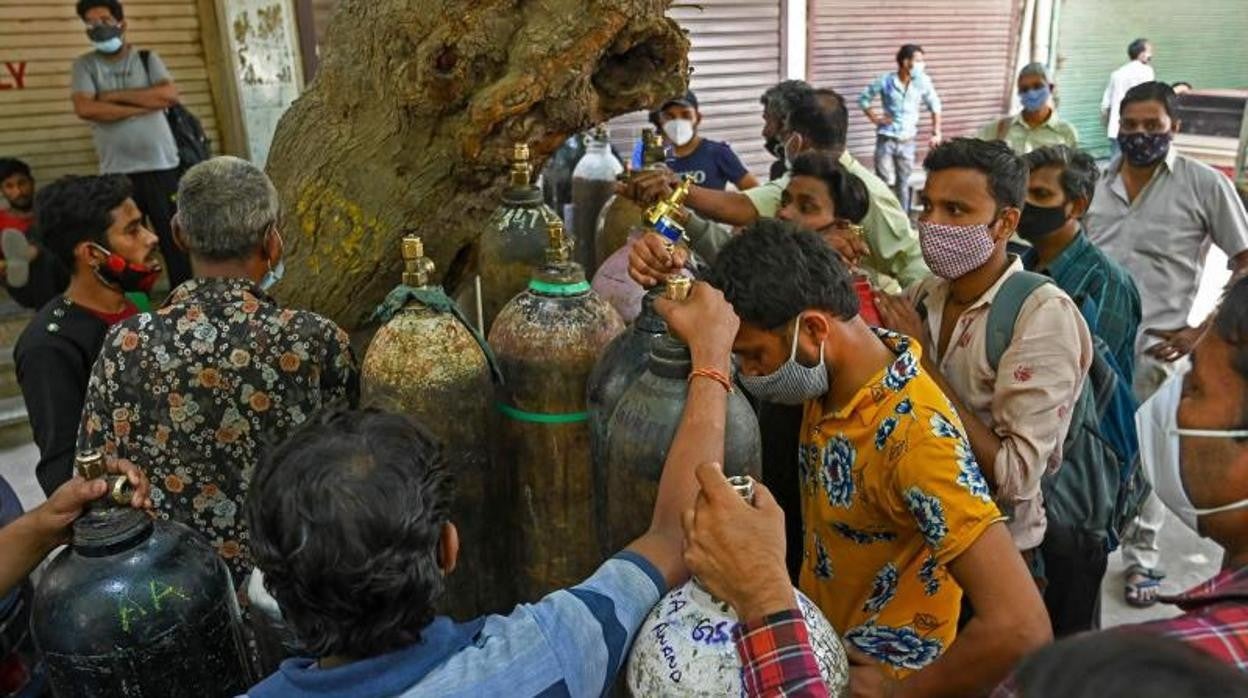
(953,251)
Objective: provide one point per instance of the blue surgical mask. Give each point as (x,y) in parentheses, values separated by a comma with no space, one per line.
(106,38)
(1035,99)
(110,46)
(918,69)
(792,383)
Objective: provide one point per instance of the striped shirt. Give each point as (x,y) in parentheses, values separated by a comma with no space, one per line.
(571,643)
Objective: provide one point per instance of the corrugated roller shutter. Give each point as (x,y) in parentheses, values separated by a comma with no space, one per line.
(1197,42)
(37,122)
(969,46)
(736,55)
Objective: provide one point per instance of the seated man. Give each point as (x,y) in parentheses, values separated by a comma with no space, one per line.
(31,275)
(359,579)
(898,522)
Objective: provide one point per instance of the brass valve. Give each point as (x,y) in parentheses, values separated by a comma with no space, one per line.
(521,170)
(678,288)
(90,466)
(557,251)
(418,270)
(653,151)
(664,216)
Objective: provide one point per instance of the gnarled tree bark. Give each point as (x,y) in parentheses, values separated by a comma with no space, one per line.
(410,121)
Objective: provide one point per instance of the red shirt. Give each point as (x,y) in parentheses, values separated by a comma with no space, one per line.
(10,220)
(111,319)
(776,658)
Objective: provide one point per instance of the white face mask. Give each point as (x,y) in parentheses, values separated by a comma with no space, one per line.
(792,383)
(1157,422)
(918,69)
(679,131)
(791,145)
(276,271)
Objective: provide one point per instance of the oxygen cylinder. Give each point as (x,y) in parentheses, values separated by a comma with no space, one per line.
(137,607)
(514,241)
(427,362)
(556,179)
(685,646)
(621,217)
(642,426)
(593,184)
(547,340)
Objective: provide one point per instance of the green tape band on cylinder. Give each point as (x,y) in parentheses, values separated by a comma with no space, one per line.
(540,418)
(558,289)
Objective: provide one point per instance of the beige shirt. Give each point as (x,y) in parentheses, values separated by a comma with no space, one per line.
(1028,402)
(1023,138)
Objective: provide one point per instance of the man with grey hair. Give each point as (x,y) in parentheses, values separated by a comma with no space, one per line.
(1037,125)
(195,389)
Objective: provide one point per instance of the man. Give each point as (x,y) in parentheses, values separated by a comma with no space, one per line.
(1037,125)
(896,515)
(1017,414)
(1156,212)
(195,389)
(124,96)
(711,164)
(31,276)
(93,227)
(1135,71)
(359,581)
(897,128)
(778,102)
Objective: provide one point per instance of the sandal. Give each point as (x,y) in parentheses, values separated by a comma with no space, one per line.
(16,256)
(1143,587)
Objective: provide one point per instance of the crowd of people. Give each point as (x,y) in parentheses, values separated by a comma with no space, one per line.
(945,485)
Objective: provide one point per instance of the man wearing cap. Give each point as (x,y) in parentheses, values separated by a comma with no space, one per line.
(712,164)
(1037,125)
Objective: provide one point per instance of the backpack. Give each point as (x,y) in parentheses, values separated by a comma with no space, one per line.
(193,144)
(1100,487)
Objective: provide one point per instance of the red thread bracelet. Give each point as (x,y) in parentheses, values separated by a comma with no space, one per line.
(717,376)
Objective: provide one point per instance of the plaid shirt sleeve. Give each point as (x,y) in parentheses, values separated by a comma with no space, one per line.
(776,658)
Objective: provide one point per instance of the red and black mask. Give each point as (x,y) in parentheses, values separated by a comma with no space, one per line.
(130,277)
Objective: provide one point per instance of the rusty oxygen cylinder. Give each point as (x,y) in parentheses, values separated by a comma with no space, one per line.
(685,646)
(547,340)
(514,241)
(137,607)
(641,429)
(593,185)
(622,218)
(427,362)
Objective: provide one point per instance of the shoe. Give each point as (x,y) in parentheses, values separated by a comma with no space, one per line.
(16,257)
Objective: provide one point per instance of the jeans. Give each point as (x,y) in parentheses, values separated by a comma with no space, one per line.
(155,193)
(894,161)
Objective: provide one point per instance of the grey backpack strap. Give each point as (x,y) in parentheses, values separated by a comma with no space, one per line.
(1003,313)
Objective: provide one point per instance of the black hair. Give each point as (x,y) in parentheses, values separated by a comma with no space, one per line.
(13,166)
(1079,170)
(820,116)
(774,270)
(1231,326)
(1119,663)
(1006,171)
(1153,91)
(1135,48)
(782,98)
(907,52)
(345,518)
(849,193)
(76,209)
(114,8)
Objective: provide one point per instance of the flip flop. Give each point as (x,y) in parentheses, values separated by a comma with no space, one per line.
(1144,592)
(16,257)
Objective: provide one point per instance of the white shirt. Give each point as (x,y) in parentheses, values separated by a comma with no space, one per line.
(1123,79)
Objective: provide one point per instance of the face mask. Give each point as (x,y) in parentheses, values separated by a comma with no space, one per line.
(275,273)
(953,251)
(106,38)
(792,383)
(791,150)
(1144,149)
(1157,422)
(773,146)
(680,131)
(1039,222)
(918,69)
(116,272)
(1034,100)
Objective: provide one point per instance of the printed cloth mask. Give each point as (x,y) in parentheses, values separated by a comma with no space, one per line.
(1034,99)
(106,38)
(953,251)
(1143,149)
(1157,423)
(792,383)
(275,273)
(116,272)
(680,131)
(1039,222)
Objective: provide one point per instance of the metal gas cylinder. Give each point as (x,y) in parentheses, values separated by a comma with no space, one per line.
(685,645)
(620,216)
(137,607)
(547,340)
(426,362)
(593,184)
(556,177)
(642,426)
(514,241)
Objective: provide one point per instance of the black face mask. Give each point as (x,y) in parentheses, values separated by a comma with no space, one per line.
(103,32)
(774,146)
(1039,222)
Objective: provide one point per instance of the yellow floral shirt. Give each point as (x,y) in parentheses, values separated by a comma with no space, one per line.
(891,494)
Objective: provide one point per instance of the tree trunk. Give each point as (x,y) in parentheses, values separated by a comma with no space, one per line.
(410,122)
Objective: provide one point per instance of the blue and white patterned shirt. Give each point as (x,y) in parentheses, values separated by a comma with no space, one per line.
(901,102)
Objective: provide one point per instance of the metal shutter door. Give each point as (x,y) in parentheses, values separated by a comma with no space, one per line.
(970,48)
(37,123)
(1198,42)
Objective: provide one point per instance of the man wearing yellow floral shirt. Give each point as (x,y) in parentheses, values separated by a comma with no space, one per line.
(898,521)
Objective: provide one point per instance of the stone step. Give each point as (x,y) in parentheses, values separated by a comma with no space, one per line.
(14,423)
(8,375)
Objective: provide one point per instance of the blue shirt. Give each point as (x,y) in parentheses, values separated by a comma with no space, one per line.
(571,643)
(713,164)
(901,102)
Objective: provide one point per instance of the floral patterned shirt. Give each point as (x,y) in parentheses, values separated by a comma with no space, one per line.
(193,391)
(891,494)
